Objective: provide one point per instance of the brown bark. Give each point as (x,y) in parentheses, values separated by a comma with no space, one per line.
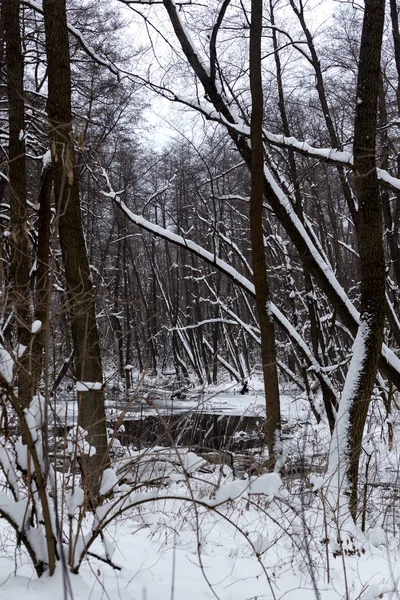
(81,304)
(262,292)
(20,268)
(370,243)
(390,215)
(394,16)
(43,285)
(17,185)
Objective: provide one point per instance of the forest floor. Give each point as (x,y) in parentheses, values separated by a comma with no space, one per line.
(208,532)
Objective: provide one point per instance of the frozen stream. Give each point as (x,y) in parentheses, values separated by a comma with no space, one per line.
(221,420)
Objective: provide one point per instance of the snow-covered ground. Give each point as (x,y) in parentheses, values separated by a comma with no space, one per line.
(251,547)
(196,530)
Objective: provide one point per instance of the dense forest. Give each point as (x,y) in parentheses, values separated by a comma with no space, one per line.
(196,197)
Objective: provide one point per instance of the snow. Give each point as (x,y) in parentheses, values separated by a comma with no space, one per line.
(330,155)
(229,491)
(35,415)
(102,512)
(21,452)
(46,159)
(337,466)
(192,462)
(37,539)
(20,350)
(235,275)
(384,176)
(268,485)
(86,386)
(261,543)
(188,524)
(74,500)
(108,481)
(6,365)
(235,551)
(186,33)
(78,444)
(109,547)
(9,467)
(245,283)
(378,537)
(186,243)
(16,511)
(319,259)
(36,325)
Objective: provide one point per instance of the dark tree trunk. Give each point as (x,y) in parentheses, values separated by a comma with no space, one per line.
(394,16)
(363,368)
(88,367)
(262,292)
(43,285)
(17,186)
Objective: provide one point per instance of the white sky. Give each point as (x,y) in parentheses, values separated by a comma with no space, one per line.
(164,119)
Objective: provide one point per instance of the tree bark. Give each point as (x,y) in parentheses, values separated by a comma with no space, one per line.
(17,186)
(394,17)
(43,284)
(88,367)
(353,408)
(262,292)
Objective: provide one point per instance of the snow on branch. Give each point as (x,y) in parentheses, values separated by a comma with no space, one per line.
(88,386)
(166,234)
(201,323)
(224,267)
(6,365)
(329,155)
(85,45)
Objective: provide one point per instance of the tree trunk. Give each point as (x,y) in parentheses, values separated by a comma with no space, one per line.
(394,17)
(43,284)
(17,186)
(262,293)
(88,367)
(353,408)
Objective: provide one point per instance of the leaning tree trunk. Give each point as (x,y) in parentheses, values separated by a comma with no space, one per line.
(275,197)
(17,185)
(353,408)
(88,367)
(262,293)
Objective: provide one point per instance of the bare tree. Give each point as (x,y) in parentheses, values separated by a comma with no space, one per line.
(20,259)
(262,293)
(88,367)
(353,408)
